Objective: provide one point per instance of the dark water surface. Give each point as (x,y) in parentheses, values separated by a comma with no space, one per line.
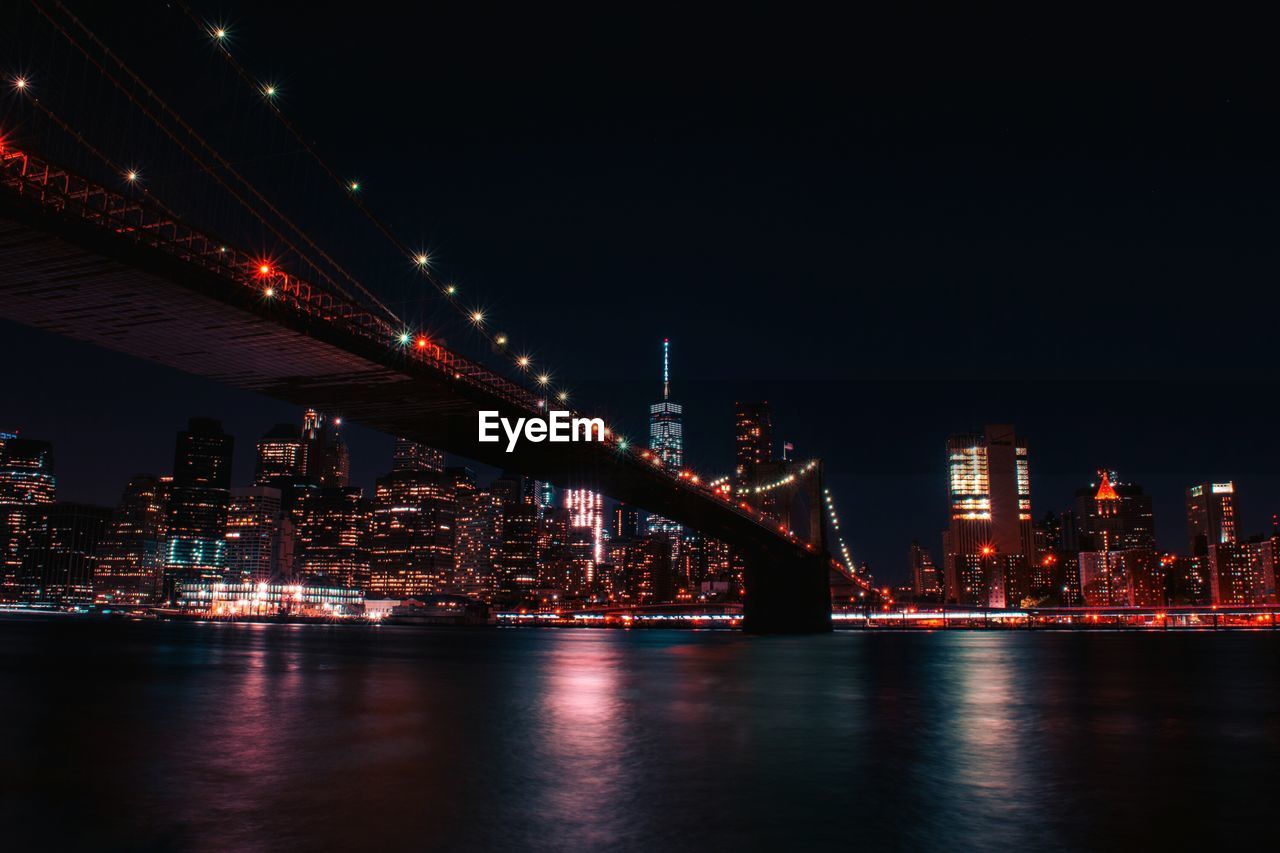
(208,737)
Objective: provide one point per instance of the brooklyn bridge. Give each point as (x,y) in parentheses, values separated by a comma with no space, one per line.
(115,267)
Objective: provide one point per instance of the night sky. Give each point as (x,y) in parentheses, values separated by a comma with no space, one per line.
(891,230)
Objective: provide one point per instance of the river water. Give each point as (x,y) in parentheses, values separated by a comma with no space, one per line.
(183,736)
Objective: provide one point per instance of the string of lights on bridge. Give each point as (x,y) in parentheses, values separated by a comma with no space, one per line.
(835,526)
(474,315)
(786,479)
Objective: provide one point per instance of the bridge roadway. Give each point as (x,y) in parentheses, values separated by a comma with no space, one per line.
(87,263)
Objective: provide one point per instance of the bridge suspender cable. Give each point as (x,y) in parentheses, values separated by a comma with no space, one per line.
(221,161)
(87,145)
(419,259)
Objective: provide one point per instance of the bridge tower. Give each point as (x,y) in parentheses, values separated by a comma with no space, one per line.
(784,592)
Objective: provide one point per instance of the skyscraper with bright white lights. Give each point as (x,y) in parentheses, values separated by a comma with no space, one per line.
(989,544)
(666,435)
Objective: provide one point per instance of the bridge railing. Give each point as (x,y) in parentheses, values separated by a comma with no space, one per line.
(144,222)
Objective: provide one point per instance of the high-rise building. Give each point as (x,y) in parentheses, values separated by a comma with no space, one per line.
(130,567)
(666,436)
(1244,573)
(989,545)
(626,522)
(586,526)
(477,538)
(753,438)
(281,458)
(196,523)
(332,534)
(327,461)
(1114,516)
(926,580)
(518,554)
(411,456)
(27,489)
(59,566)
(260,537)
(1211,516)
(411,532)
(1115,530)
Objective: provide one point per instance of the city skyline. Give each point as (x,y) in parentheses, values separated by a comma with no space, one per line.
(1171,523)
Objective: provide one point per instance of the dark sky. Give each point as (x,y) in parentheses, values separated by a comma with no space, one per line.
(891,229)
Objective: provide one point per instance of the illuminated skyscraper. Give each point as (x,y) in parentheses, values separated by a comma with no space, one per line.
(58,567)
(411,456)
(411,533)
(477,533)
(586,522)
(130,566)
(280,456)
(666,436)
(260,537)
(989,544)
(753,438)
(326,459)
(26,493)
(196,524)
(1211,516)
(925,578)
(332,534)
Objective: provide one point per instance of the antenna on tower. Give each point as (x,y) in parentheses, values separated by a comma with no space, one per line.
(666,368)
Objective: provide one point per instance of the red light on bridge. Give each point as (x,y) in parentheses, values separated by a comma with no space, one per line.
(264,269)
(422,343)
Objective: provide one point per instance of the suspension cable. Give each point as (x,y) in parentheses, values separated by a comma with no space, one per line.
(221,161)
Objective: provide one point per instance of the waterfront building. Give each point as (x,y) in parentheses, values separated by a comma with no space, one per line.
(1211,516)
(218,598)
(332,534)
(926,579)
(130,566)
(58,567)
(260,537)
(199,497)
(411,536)
(27,490)
(989,545)
(586,539)
(477,534)
(1244,572)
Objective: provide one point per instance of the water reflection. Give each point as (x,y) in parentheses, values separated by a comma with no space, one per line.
(189,737)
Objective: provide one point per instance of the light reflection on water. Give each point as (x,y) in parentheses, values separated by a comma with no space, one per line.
(204,737)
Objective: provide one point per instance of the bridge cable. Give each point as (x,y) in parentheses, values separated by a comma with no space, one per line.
(421,261)
(79,138)
(221,161)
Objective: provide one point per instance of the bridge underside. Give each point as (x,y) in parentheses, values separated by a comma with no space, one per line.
(72,278)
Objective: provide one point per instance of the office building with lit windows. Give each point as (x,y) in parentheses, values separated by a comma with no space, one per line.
(332,534)
(753,438)
(1211,516)
(129,568)
(27,490)
(586,529)
(260,537)
(199,497)
(411,532)
(989,542)
(280,456)
(59,565)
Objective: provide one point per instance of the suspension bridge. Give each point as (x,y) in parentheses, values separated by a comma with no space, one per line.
(116,267)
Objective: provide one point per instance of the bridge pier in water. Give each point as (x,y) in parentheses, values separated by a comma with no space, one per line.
(786,594)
